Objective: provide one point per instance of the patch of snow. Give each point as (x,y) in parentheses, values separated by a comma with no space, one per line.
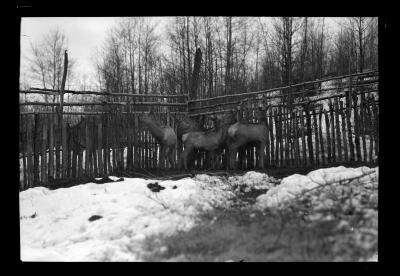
(294,185)
(254,180)
(289,188)
(129,212)
(55,226)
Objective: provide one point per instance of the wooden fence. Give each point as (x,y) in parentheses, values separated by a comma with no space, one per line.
(335,122)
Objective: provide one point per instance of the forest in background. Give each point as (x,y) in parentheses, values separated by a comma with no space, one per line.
(239,54)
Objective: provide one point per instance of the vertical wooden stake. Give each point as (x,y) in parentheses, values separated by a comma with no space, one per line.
(333,136)
(51,146)
(36,179)
(272,137)
(321,137)
(303,139)
(328,136)
(343,117)
(338,135)
(64,150)
(100,144)
(309,137)
(87,148)
(316,138)
(29,153)
(43,160)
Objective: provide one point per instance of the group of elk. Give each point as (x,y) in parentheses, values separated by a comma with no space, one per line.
(229,132)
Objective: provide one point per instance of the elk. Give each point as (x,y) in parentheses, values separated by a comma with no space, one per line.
(186,124)
(164,135)
(243,133)
(210,140)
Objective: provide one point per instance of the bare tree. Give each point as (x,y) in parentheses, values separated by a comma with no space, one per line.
(46,64)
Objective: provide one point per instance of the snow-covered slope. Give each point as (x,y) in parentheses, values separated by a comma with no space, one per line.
(111,222)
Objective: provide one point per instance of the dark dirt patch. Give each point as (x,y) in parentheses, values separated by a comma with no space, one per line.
(155,187)
(106,179)
(34,215)
(253,236)
(95,217)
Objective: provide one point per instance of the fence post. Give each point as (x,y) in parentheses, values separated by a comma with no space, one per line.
(348,120)
(272,138)
(333,136)
(316,138)
(370,130)
(286,138)
(338,134)
(51,146)
(29,153)
(296,138)
(376,125)
(281,148)
(135,142)
(343,117)
(321,137)
(64,150)
(43,160)
(328,138)
(36,150)
(87,149)
(309,134)
(357,127)
(362,125)
(100,144)
(303,138)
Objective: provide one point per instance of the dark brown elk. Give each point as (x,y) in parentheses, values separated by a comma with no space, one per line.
(209,141)
(242,134)
(164,135)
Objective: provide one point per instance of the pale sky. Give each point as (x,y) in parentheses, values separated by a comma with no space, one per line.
(84,35)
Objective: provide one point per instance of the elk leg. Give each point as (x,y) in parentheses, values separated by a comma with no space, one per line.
(162,157)
(170,157)
(261,155)
(211,158)
(185,155)
(232,156)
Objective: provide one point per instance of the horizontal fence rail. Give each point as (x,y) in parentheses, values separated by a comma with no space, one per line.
(338,124)
(34,90)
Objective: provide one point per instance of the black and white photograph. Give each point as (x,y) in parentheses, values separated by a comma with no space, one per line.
(198,139)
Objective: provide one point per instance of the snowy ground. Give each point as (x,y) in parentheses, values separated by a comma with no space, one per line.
(114,221)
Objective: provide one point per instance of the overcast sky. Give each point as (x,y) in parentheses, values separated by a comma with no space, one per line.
(84,36)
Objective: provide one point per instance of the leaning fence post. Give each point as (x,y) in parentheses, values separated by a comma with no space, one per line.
(60,114)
